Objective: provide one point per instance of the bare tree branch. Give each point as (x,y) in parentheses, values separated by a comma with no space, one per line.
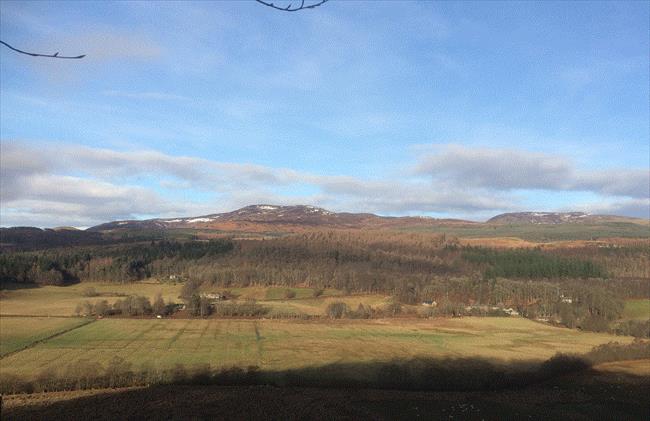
(293,9)
(55,55)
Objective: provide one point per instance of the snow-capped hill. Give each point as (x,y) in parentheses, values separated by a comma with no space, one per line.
(275,213)
(540,218)
(266,217)
(264,213)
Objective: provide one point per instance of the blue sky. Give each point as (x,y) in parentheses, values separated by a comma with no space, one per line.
(442,109)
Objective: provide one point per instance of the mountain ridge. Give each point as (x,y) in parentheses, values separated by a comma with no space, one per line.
(271,220)
(273,215)
(269,217)
(555,218)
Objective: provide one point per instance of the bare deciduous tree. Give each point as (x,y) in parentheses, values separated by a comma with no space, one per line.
(291,8)
(288,8)
(55,55)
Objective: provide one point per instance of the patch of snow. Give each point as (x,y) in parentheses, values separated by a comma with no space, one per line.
(122,223)
(267,207)
(173,220)
(313,209)
(195,220)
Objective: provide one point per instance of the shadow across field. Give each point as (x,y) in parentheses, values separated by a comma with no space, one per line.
(434,374)
(564,386)
(584,395)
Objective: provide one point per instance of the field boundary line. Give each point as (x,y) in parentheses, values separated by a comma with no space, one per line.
(258,343)
(203,332)
(40,341)
(178,334)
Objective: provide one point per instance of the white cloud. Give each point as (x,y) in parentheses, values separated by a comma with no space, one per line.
(84,186)
(509,169)
(496,168)
(639,208)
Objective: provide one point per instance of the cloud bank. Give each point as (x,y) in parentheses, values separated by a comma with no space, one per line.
(509,169)
(47,185)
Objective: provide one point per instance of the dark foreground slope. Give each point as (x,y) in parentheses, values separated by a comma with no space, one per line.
(589,395)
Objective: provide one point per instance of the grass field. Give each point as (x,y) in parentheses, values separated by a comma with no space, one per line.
(542,232)
(280,344)
(317,306)
(276,293)
(637,309)
(19,332)
(61,301)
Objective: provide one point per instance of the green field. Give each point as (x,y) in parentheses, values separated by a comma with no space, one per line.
(276,293)
(19,332)
(530,232)
(542,232)
(280,344)
(317,306)
(637,309)
(61,301)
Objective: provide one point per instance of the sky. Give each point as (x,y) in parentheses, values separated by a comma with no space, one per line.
(445,109)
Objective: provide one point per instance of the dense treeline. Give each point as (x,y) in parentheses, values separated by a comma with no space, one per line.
(566,286)
(627,261)
(108,263)
(531,264)
(132,305)
(367,262)
(30,238)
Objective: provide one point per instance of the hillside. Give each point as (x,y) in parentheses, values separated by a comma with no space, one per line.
(273,220)
(263,217)
(259,218)
(559,218)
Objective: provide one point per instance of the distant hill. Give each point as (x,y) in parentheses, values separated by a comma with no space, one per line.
(559,218)
(264,219)
(274,218)
(65,229)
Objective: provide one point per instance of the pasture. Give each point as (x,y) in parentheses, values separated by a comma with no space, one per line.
(541,232)
(317,306)
(637,309)
(61,301)
(19,332)
(273,293)
(282,344)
